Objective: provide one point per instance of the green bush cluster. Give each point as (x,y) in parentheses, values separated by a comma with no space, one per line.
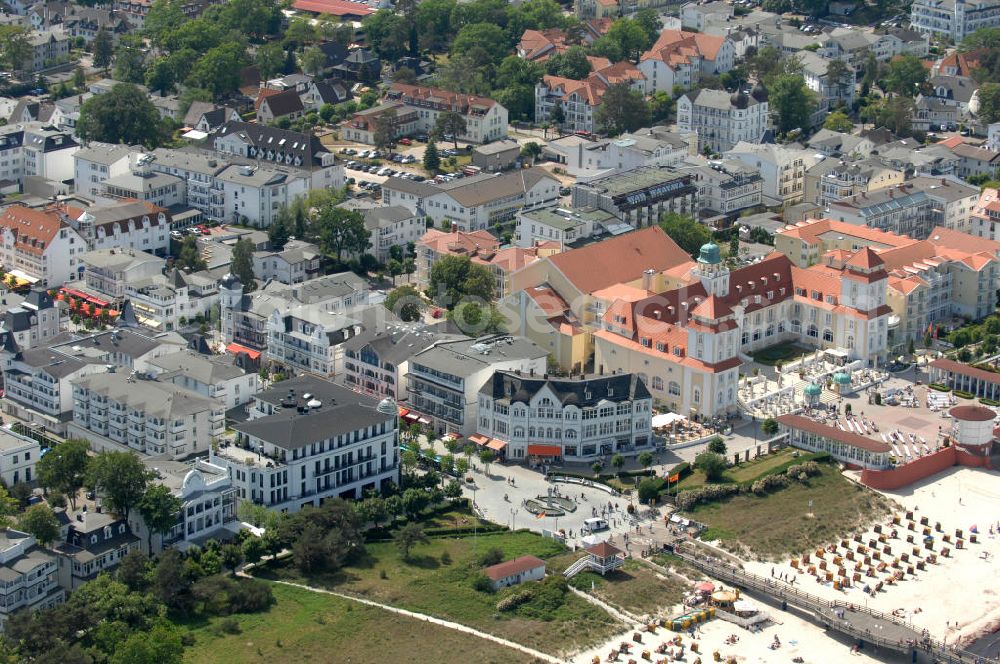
(779,478)
(989,402)
(511,602)
(962,394)
(938,387)
(706,494)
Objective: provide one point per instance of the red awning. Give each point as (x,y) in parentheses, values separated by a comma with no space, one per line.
(497,445)
(403,412)
(236,349)
(479,439)
(544,450)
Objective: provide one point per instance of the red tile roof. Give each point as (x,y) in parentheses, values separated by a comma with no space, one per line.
(457,101)
(512,567)
(848,438)
(866,259)
(972,413)
(604,550)
(619,259)
(33,229)
(966,370)
(333,7)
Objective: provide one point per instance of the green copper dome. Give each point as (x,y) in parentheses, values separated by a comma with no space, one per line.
(813,390)
(841,378)
(710,254)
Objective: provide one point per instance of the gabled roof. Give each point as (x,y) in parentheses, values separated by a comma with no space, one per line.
(866,259)
(457,101)
(283,103)
(619,259)
(512,567)
(712,308)
(33,229)
(588,91)
(676,46)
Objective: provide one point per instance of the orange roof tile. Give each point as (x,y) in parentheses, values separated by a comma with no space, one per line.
(712,308)
(619,259)
(33,229)
(866,259)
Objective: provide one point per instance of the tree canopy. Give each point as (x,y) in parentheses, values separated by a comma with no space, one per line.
(685,231)
(63,468)
(120,478)
(792,101)
(122,115)
(242,265)
(341,230)
(405,302)
(455,278)
(622,109)
(905,75)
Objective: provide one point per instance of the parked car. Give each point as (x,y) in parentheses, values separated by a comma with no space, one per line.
(405,141)
(565,191)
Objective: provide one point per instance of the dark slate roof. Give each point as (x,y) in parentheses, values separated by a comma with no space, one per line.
(305,146)
(342,411)
(332,92)
(284,103)
(335,52)
(126,317)
(581,391)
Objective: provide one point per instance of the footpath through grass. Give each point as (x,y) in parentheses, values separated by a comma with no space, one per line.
(437,580)
(309,627)
(783,523)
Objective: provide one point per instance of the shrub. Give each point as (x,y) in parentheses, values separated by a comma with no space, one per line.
(445,558)
(767,484)
(939,387)
(511,602)
(230,626)
(493,556)
(482,583)
(649,488)
(705,494)
(713,465)
(962,394)
(989,402)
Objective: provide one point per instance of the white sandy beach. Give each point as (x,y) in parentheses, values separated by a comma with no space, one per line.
(959,598)
(799,638)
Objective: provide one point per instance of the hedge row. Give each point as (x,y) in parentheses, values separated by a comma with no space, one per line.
(939,387)
(989,402)
(962,394)
(798,469)
(385,535)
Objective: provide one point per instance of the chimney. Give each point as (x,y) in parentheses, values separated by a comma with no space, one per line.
(647,279)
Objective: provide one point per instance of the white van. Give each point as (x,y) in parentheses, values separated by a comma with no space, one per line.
(595,525)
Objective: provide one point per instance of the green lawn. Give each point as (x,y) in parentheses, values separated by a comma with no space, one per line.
(778,353)
(744,472)
(444,589)
(778,524)
(310,627)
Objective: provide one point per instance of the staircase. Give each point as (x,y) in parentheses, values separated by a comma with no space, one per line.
(577,567)
(588,563)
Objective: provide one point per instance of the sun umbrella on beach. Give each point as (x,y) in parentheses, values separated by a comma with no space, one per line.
(704,586)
